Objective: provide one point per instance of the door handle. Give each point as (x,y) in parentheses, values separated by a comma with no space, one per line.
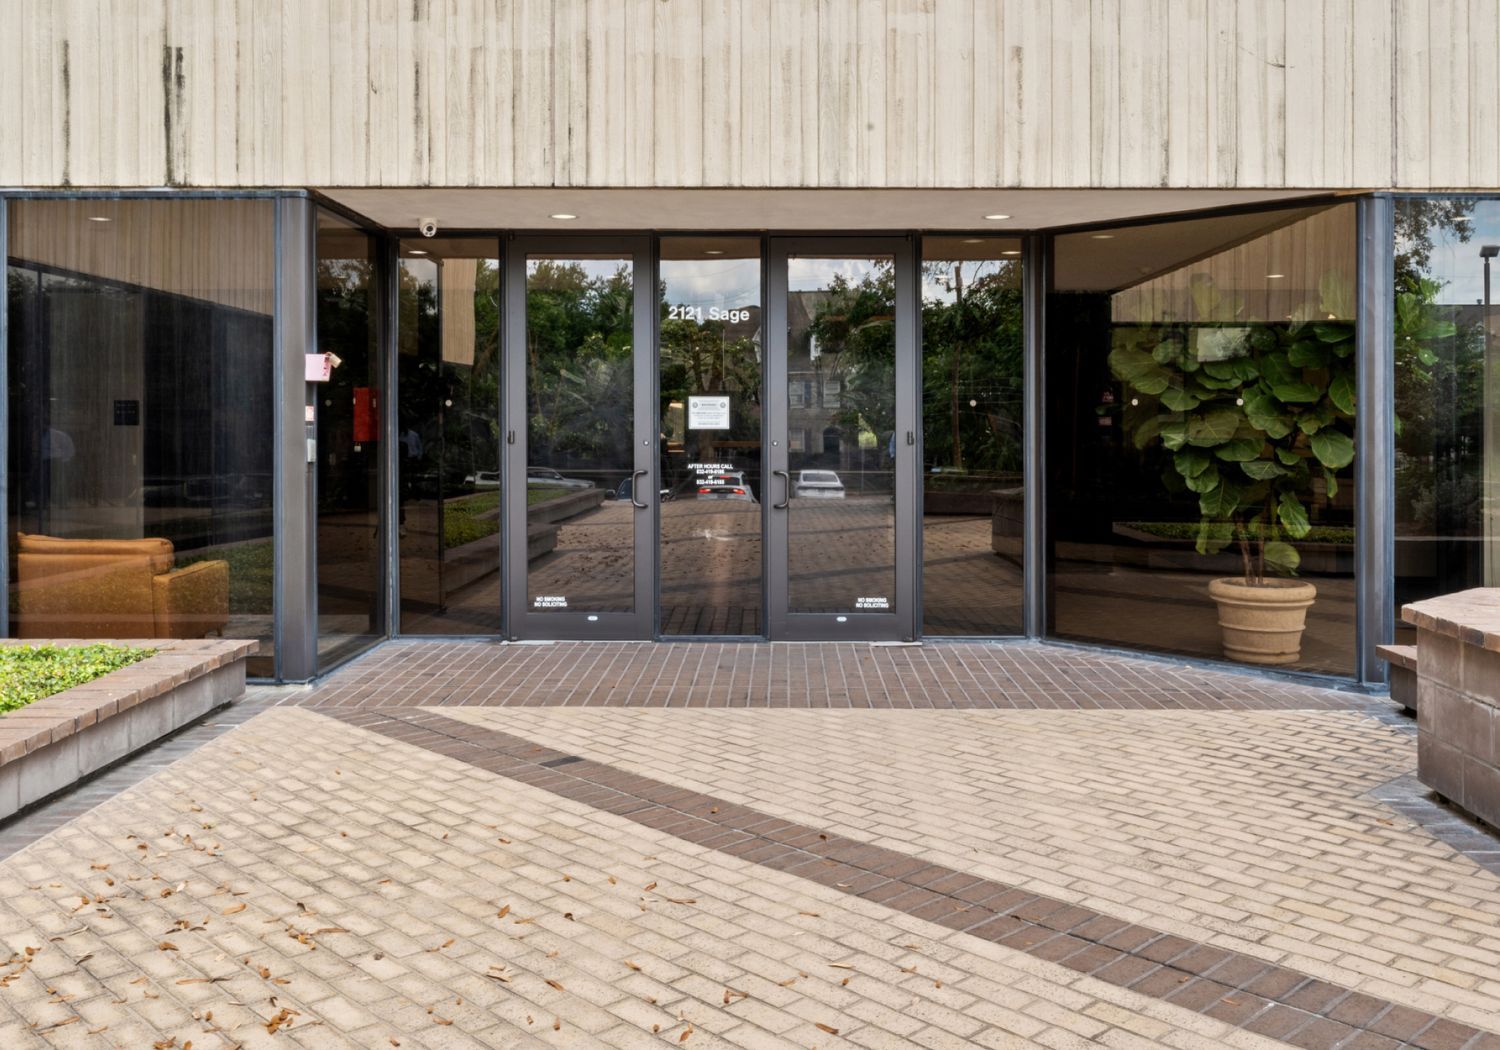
(787,483)
(635,488)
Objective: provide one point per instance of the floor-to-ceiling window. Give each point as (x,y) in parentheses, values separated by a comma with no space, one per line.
(710,389)
(347,409)
(448,435)
(972,436)
(1200,423)
(140,338)
(1447,400)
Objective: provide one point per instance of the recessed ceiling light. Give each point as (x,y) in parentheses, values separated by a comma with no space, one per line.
(415,251)
(100,218)
(1102,236)
(562,215)
(973,240)
(996,217)
(1011,251)
(713,251)
(1274,276)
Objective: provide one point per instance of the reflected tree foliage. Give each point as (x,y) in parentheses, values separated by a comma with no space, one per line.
(972,368)
(579,374)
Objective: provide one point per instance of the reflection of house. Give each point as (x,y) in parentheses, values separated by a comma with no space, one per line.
(815,382)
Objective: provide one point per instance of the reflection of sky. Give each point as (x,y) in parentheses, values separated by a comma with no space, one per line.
(937,277)
(722,282)
(592,268)
(810,274)
(1456,264)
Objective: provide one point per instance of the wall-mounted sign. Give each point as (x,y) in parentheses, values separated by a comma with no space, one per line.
(319,367)
(879,602)
(708,412)
(127,413)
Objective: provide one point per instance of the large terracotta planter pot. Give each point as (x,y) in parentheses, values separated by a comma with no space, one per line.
(1263,624)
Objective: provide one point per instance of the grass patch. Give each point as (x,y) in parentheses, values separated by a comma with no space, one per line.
(542,493)
(1188,530)
(30,672)
(462,522)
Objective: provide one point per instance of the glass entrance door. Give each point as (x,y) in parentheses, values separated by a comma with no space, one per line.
(580,442)
(841,380)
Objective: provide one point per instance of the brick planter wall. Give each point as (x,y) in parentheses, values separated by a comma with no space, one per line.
(48,745)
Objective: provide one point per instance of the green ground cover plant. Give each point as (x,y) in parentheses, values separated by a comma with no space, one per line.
(30,672)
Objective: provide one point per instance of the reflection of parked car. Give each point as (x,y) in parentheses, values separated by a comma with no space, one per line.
(819,484)
(722,486)
(548,476)
(485,479)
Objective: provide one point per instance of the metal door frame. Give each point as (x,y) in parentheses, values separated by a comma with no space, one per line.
(901,623)
(581,624)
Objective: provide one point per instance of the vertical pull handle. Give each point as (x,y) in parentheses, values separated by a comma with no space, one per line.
(911,439)
(786,480)
(635,490)
(510,437)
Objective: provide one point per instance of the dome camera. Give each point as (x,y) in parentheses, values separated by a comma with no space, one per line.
(428,227)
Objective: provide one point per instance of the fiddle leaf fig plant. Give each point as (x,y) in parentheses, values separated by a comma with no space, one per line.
(1252,415)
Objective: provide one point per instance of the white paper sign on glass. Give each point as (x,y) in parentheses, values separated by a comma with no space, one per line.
(708,412)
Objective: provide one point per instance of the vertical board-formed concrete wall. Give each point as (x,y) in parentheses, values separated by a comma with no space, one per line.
(808,93)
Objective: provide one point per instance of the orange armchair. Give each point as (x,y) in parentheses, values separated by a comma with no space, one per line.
(115,589)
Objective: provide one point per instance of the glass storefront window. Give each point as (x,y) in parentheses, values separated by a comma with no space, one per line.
(1200,417)
(972,436)
(711,435)
(1447,397)
(448,436)
(141,404)
(350,534)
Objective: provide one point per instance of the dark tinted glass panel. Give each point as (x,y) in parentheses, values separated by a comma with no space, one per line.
(972,499)
(447,442)
(141,413)
(1200,426)
(579,455)
(1448,437)
(710,418)
(841,419)
(351,547)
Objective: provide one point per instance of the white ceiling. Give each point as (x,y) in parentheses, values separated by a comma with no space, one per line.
(783,209)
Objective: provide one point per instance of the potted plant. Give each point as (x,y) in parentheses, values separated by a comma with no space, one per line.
(1255,418)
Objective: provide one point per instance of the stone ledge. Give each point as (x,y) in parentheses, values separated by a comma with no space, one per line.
(1458,698)
(1472,616)
(48,745)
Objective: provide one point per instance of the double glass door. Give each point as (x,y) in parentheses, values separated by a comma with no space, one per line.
(679,461)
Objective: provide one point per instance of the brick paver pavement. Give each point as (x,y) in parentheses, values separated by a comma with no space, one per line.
(373,863)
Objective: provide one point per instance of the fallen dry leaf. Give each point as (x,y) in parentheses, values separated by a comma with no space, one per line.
(166,946)
(503,912)
(446,944)
(820,1026)
(234,909)
(649,887)
(556,985)
(633,966)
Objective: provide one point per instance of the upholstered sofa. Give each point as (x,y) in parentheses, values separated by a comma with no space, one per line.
(115,589)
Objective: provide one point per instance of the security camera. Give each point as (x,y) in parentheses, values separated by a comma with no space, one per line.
(428,227)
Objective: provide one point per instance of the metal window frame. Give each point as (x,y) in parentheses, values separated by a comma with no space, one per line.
(5,416)
(295,499)
(1375,436)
